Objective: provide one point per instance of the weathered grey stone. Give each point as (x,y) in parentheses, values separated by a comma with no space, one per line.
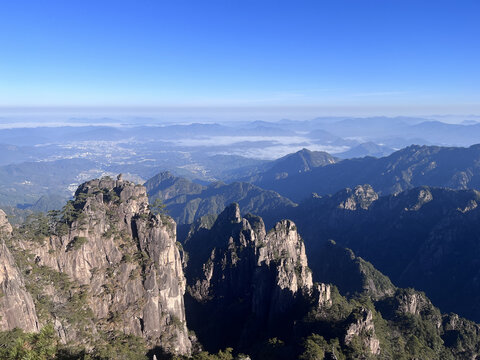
(247,276)
(127,259)
(17,309)
(363,326)
(5,226)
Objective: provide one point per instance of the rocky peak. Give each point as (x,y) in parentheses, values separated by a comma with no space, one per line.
(231,215)
(124,259)
(247,276)
(257,224)
(282,272)
(284,247)
(408,302)
(419,197)
(362,326)
(16,304)
(413,302)
(323,292)
(109,191)
(361,197)
(227,250)
(4,224)
(235,239)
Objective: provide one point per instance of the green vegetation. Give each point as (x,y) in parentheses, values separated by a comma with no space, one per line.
(73,309)
(158,207)
(70,303)
(221,355)
(314,348)
(69,213)
(226,354)
(77,243)
(191,201)
(17,345)
(117,346)
(110,196)
(367,302)
(45,345)
(36,228)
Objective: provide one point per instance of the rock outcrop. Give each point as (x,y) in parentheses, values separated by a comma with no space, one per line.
(249,277)
(17,309)
(5,227)
(362,326)
(282,254)
(361,197)
(121,261)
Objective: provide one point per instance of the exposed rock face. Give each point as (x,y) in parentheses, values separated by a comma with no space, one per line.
(324,295)
(424,195)
(453,325)
(362,326)
(251,278)
(124,259)
(413,303)
(283,252)
(5,226)
(361,197)
(425,238)
(17,309)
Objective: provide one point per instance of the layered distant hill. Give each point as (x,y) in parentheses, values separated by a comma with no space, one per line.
(366,149)
(452,167)
(187,201)
(206,151)
(288,165)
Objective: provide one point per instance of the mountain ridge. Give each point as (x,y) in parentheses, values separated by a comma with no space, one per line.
(415,165)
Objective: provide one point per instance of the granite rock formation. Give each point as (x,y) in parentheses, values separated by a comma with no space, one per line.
(17,309)
(253,279)
(121,263)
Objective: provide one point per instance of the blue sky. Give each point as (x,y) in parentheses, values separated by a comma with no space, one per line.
(421,55)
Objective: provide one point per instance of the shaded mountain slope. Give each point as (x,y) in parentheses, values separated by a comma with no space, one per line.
(427,238)
(457,168)
(288,165)
(187,201)
(236,272)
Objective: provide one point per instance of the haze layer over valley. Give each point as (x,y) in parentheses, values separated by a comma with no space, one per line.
(52,160)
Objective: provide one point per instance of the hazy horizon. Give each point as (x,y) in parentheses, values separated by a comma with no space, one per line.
(56,116)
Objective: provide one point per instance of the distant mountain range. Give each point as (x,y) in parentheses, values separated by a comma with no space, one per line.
(452,167)
(366,149)
(288,165)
